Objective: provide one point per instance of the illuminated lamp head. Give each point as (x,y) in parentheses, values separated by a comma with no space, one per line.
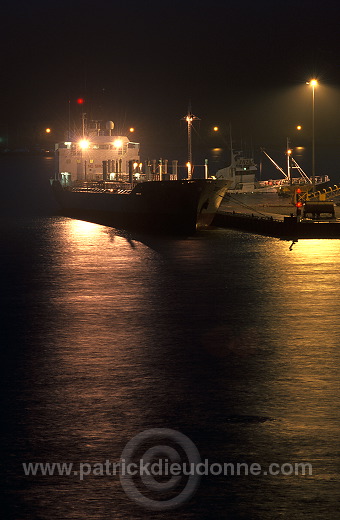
(118,143)
(84,144)
(313,83)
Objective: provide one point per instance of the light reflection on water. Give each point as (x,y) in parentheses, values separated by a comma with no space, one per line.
(124,333)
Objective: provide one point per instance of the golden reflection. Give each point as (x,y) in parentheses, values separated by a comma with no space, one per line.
(101,297)
(82,228)
(90,237)
(317,251)
(305,329)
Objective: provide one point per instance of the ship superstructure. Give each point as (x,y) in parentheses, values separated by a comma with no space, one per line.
(240,173)
(82,159)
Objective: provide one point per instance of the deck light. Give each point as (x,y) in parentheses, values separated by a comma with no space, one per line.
(84,144)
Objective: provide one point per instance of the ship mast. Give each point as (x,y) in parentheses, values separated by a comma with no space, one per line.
(83,124)
(189,118)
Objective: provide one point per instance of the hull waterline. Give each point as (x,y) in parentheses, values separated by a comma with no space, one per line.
(178,207)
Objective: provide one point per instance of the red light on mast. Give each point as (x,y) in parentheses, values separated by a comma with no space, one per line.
(80,101)
(298,202)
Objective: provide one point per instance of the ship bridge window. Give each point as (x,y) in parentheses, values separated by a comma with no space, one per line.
(104,147)
(119,151)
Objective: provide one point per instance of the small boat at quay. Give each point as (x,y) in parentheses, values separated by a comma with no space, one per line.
(242,172)
(287,186)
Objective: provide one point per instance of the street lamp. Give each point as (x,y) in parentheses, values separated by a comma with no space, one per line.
(313,83)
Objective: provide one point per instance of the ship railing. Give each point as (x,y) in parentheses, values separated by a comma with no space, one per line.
(252,216)
(324,194)
(99,190)
(100,186)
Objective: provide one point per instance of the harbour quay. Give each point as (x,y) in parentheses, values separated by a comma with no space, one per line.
(277,219)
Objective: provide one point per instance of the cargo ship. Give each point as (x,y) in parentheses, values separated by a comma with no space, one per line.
(100,178)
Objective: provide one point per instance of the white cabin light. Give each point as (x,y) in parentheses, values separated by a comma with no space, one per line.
(118,143)
(84,144)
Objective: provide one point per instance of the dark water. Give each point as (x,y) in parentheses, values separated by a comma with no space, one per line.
(229,338)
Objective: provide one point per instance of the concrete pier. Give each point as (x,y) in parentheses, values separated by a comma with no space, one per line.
(276,219)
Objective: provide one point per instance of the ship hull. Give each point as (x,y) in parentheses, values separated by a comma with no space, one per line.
(177,207)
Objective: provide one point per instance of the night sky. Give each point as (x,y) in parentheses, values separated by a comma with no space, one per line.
(141,63)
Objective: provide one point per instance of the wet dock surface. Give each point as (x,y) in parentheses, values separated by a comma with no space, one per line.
(272,206)
(269,216)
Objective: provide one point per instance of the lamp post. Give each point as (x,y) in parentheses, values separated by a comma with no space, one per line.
(313,83)
(189,118)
